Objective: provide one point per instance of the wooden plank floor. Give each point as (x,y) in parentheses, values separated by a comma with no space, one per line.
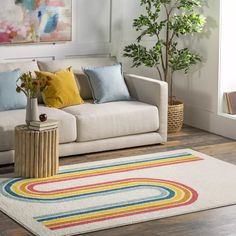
(217,222)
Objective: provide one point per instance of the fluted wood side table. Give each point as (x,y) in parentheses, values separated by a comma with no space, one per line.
(36,152)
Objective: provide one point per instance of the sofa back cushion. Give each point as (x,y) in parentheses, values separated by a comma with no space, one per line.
(62,90)
(107,84)
(9,98)
(77,64)
(24,67)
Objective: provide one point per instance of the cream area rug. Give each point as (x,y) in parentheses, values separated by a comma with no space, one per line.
(106,194)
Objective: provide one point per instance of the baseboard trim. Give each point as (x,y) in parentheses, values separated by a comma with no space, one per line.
(210,121)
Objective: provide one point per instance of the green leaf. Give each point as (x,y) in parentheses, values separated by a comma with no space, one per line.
(166,22)
(187,23)
(141,55)
(182,59)
(189,4)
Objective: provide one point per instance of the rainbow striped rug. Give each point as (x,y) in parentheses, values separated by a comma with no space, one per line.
(105,194)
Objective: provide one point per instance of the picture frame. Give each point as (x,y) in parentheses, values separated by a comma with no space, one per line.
(35,21)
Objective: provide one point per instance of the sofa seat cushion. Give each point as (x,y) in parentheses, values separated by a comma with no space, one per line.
(108,120)
(10,119)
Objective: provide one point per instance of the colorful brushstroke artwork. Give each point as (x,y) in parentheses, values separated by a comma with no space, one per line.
(35,21)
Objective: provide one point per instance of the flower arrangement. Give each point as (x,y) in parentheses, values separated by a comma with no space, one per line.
(31,86)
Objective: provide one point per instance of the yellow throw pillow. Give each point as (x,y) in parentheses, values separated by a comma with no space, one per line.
(62,90)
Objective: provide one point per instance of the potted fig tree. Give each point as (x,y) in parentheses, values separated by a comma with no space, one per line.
(167,22)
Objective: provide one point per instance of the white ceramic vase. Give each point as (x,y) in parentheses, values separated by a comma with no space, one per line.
(32,111)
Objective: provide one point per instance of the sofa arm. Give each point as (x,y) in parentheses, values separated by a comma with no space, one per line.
(153,92)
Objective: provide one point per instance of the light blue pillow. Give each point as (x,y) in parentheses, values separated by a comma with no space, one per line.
(107,84)
(9,98)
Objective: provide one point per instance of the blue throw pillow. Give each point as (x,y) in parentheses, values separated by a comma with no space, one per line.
(107,84)
(9,98)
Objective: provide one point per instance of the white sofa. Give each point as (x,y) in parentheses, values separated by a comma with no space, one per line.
(91,127)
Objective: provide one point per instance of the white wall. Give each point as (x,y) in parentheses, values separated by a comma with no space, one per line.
(227,79)
(199,90)
(132,10)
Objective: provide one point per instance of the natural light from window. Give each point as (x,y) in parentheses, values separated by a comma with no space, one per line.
(227,77)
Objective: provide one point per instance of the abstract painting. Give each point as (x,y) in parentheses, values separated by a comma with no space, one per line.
(35,21)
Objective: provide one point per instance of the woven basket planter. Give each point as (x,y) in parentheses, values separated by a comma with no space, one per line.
(175,117)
